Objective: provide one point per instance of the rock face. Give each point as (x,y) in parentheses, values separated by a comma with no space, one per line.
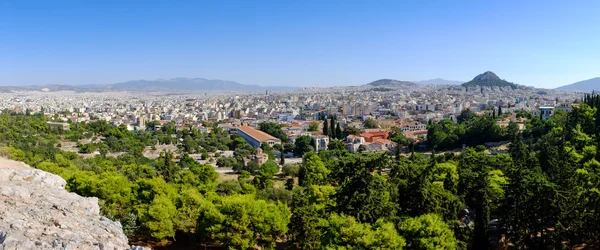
(36,212)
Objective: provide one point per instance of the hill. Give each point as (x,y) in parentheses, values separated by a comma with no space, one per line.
(588,85)
(490,79)
(390,83)
(440,81)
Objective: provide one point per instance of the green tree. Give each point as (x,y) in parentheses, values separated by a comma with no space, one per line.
(303,145)
(364,195)
(336,145)
(351,131)
(281,158)
(370,123)
(344,232)
(466,115)
(332,127)
(313,126)
(427,232)
(312,171)
(338,131)
(242,222)
(291,170)
(273,129)
(158,217)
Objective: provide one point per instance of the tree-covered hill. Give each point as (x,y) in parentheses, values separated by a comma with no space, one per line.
(488,79)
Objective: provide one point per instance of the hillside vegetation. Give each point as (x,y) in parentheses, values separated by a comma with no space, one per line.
(543,194)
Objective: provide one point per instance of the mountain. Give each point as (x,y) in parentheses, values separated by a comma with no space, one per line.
(488,78)
(162,85)
(583,86)
(191,85)
(390,83)
(440,81)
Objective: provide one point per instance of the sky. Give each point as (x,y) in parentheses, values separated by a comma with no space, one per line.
(298,43)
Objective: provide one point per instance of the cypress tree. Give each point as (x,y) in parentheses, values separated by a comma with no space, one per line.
(325,128)
(332,127)
(338,131)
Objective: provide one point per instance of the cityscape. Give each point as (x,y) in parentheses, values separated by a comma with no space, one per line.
(405,105)
(292,125)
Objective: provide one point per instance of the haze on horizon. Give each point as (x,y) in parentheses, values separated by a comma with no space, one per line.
(298,43)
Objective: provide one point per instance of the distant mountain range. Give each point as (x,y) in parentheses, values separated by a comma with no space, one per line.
(192,84)
(489,79)
(583,86)
(390,83)
(440,81)
(161,85)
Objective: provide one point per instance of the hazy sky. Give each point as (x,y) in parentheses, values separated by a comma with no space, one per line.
(298,43)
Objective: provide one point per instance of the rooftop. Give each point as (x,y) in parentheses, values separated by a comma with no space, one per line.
(257,134)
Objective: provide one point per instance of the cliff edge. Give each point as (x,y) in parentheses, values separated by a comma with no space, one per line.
(36,212)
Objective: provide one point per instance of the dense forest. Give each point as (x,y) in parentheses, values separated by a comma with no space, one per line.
(543,194)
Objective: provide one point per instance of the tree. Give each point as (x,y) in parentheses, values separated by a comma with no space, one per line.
(251,167)
(281,158)
(336,145)
(344,232)
(273,129)
(265,173)
(465,116)
(332,127)
(351,131)
(326,130)
(270,167)
(426,232)
(307,221)
(530,208)
(313,126)
(166,166)
(303,145)
(370,123)
(291,170)
(158,217)
(338,131)
(226,162)
(242,222)
(312,171)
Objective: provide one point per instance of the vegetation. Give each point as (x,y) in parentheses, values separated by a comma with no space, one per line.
(543,194)
(370,123)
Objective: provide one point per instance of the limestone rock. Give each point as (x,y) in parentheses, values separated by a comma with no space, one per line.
(36,212)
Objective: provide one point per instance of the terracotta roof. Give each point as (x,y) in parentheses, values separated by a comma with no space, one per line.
(257,134)
(382,141)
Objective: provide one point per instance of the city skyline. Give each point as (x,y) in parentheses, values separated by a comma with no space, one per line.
(543,44)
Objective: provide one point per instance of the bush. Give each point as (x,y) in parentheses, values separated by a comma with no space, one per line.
(291,170)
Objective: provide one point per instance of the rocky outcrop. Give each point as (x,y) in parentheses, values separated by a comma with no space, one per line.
(36,212)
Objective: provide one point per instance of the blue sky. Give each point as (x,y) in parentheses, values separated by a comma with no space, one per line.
(298,43)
